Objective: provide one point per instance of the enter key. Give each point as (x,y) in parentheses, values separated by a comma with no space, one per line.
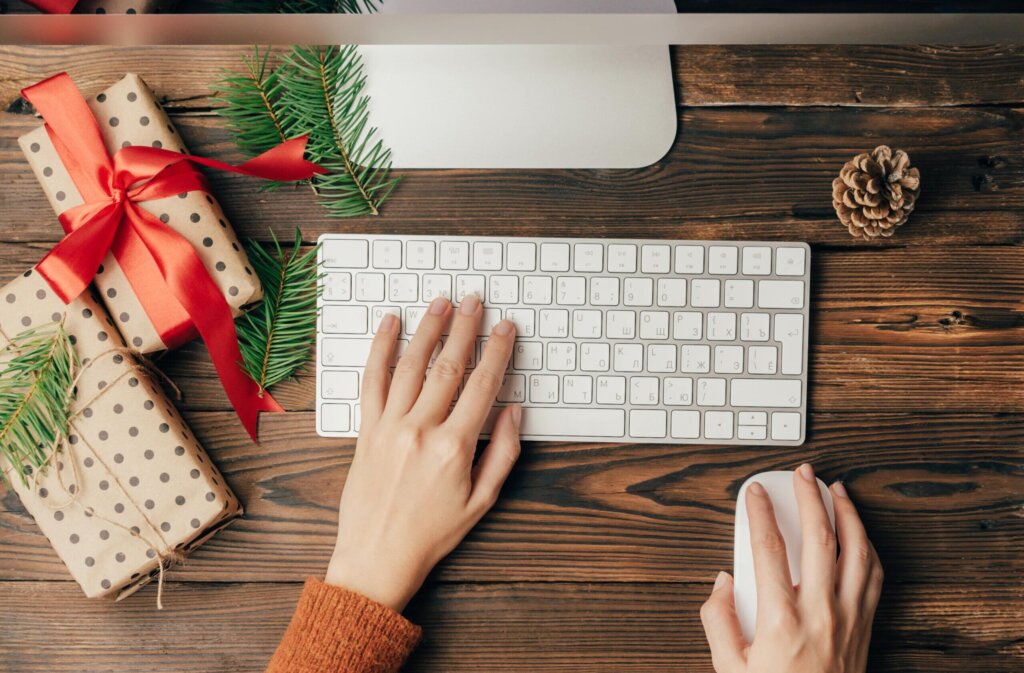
(789,331)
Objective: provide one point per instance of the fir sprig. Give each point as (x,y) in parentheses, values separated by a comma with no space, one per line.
(36,391)
(317,91)
(299,6)
(277,337)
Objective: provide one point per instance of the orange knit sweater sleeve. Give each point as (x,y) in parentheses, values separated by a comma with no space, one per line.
(339,631)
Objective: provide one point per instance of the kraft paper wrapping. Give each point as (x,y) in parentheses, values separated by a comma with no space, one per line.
(132,486)
(128,114)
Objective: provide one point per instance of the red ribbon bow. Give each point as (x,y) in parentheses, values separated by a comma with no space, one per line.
(54,6)
(175,288)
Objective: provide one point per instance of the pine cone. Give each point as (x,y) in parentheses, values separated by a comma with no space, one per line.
(876,192)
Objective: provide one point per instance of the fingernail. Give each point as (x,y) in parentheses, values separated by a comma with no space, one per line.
(439,306)
(517,415)
(720,581)
(756,488)
(470,303)
(503,328)
(806,471)
(387,322)
(839,489)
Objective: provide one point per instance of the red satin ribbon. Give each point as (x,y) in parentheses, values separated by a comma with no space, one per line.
(54,6)
(161,265)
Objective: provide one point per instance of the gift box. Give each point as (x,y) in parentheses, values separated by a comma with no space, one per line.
(129,115)
(131,489)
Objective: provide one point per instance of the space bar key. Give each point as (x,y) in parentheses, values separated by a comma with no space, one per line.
(553,422)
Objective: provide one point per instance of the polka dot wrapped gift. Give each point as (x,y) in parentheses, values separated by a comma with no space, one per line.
(131,489)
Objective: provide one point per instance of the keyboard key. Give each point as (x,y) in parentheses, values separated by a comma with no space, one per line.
(728,359)
(785,426)
(554,323)
(690,259)
(628,358)
(436,285)
(337,286)
(487,256)
(661,358)
(470,284)
(537,290)
(757,261)
(513,388)
(339,385)
(620,324)
(345,254)
(643,390)
(611,389)
(554,256)
(403,287)
(671,292)
(754,326)
(420,255)
(765,392)
(369,287)
(338,352)
(504,290)
(678,392)
(787,294)
(555,422)
(762,360)
(622,258)
(752,432)
(789,329)
(638,292)
(344,319)
(721,326)
(571,290)
(718,424)
(753,418)
(413,316)
(490,318)
(739,294)
(654,324)
(705,292)
(588,257)
(454,256)
(387,254)
(647,423)
(790,261)
(722,260)
(604,291)
(586,324)
(524,320)
(577,389)
(655,259)
(595,357)
(528,356)
(711,392)
(521,256)
(378,313)
(335,417)
(686,424)
(695,359)
(543,388)
(561,357)
(687,325)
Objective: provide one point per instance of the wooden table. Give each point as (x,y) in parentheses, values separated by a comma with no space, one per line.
(598,556)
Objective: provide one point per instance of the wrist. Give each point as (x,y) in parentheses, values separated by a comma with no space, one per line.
(380,582)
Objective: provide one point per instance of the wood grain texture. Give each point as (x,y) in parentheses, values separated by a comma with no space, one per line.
(941,496)
(505,627)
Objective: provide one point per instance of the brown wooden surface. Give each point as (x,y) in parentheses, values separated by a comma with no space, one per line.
(598,556)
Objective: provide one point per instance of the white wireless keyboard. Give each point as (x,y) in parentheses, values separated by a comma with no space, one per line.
(682,342)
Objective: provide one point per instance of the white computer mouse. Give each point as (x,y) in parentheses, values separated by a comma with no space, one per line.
(779,486)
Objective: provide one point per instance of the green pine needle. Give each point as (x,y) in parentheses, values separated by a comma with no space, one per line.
(316,91)
(298,6)
(277,337)
(36,380)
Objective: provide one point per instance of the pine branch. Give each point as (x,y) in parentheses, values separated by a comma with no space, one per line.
(299,6)
(277,337)
(254,110)
(35,395)
(323,88)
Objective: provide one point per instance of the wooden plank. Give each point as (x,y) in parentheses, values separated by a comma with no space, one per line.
(941,496)
(913,329)
(226,628)
(733,173)
(857,75)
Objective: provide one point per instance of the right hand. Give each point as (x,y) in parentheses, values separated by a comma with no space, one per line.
(824,624)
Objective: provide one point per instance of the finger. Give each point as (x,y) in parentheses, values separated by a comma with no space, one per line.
(722,627)
(818,559)
(377,373)
(875,579)
(408,379)
(856,555)
(497,459)
(445,375)
(771,567)
(483,385)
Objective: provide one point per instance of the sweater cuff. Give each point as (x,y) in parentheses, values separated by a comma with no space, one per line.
(335,629)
